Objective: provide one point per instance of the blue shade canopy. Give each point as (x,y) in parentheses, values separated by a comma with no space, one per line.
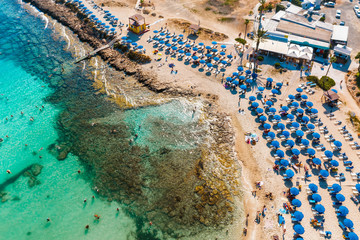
(248,80)
(200,43)
(336,187)
(229,56)
(275,144)
(334,163)
(284,162)
(222,53)
(274,91)
(289,173)
(280,153)
(296,202)
(273,110)
(242,78)
(214,42)
(214,50)
(299,90)
(316,161)
(309,104)
(290,116)
(285,108)
(255,104)
(305,119)
(269,103)
(353,236)
(337,143)
(281,126)
(209,65)
(313,187)
(216,59)
(195,49)
(295,124)
(267,126)
(207,47)
(259,110)
(299,133)
(311,126)
(343,211)
(348,223)
(263,118)
(223,46)
(271,134)
(340,197)
(235,74)
(316,135)
(304,97)
(299,229)
(324,173)
(313,110)
(294,191)
(319,208)
(279,84)
(243,87)
(195,57)
(155,31)
(295,104)
(295,151)
(251,98)
(298,215)
(305,142)
(277,117)
(311,151)
(328,153)
(240,69)
(291,97)
(300,111)
(285,133)
(202,61)
(269,79)
(316,197)
(357,186)
(236,82)
(248,71)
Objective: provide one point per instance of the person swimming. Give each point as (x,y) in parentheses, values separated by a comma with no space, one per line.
(8,171)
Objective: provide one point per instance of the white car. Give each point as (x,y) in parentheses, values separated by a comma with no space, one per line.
(357,11)
(338,14)
(329,4)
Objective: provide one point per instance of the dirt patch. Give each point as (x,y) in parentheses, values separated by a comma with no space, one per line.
(115,3)
(204,33)
(353,84)
(223,6)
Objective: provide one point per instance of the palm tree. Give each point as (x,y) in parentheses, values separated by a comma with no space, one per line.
(243,42)
(246,22)
(332,60)
(260,36)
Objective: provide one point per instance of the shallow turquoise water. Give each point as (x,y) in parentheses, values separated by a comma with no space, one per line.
(62,191)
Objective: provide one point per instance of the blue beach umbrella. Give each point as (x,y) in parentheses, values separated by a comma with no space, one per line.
(340,197)
(357,186)
(229,56)
(290,142)
(304,97)
(328,154)
(311,151)
(313,187)
(285,133)
(291,97)
(299,90)
(181,43)
(254,75)
(295,151)
(348,223)
(222,53)
(129,41)
(271,134)
(259,110)
(277,117)
(290,116)
(175,48)
(273,110)
(295,104)
(195,57)
(209,65)
(269,79)
(336,187)
(289,173)
(169,45)
(252,98)
(319,208)
(353,236)
(296,202)
(168,36)
(242,78)
(214,42)
(313,110)
(224,62)
(140,47)
(285,108)
(248,80)
(275,144)
(294,191)
(243,87)
(266,125)
(208,55)
(263,118)
(316,161)
(216,59)
(337,143)
(269,103)
(295,124)
(174,40)
(162,34)
(309,104)
(305,142)
(279,84)
(248,72)
(235,74)
(324,173)
(214,50)
(195,49)
(311,126)
(274,91)
(343,211)
(316,197)
(299,229)
(334,163)
(299,133)
(236,82)
(281,126)
(316,135)
(255,104)
(107,26)
(298,215)
(240,69)
(200,43)
(155,31)
(284,162)
(208,47)
(124,38)
(280,153)
(300,111)
(305,119)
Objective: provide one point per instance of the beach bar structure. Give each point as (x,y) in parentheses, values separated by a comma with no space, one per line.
(194,29)
(331,97)
(137,24)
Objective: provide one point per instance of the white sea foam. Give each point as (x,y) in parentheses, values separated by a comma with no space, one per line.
(67,37)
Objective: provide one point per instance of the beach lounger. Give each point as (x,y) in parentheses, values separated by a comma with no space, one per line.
(349,168)
(347,162)
(342,226)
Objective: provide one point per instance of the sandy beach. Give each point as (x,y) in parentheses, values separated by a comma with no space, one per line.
(256,160)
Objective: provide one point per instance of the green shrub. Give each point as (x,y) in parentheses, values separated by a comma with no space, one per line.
(279,7)
(324,82)
(277,65)
(296,2)
(260,58)
(207,9)
(358,94)
(322,19)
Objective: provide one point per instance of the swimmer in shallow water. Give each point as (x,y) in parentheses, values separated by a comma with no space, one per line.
(8,171)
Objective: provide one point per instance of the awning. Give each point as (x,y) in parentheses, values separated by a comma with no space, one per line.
(342,49)
(273,46)
(331,95)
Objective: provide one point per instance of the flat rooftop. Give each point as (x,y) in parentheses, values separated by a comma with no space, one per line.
(299,30)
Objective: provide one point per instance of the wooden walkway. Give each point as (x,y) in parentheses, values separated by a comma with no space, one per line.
(93,53)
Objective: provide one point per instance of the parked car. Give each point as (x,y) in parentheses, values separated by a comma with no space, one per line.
(357,11)
(338,14)
(342,23)
(329,4)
